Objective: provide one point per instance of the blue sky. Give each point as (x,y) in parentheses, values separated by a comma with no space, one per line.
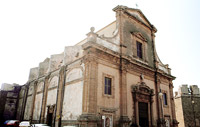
(30,31)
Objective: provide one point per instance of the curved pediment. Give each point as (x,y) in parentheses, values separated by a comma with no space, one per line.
(141,87)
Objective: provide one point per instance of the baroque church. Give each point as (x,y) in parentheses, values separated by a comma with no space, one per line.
(113,78)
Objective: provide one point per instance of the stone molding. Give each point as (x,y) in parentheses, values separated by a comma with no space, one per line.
(142,93)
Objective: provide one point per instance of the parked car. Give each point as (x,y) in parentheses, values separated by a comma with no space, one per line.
(38,125)
(24,124)
(11,123)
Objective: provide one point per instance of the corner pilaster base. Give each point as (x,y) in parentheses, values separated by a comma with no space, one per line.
(89,120)
(161,122)
(124,121)
(175,123)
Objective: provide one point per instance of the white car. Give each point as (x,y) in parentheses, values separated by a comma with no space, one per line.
(39,125)
(24,124)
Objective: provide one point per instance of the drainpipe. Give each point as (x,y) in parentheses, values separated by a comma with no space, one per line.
(157,87)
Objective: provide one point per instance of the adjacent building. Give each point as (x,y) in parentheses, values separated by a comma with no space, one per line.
(187,105)
(113,78)
(9,94)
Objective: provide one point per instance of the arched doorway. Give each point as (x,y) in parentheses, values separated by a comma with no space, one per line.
(50,114)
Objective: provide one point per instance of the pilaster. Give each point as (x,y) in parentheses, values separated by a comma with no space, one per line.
(124,120)
(89,108)
(24,101)
(44,99)
(60,96)
(33,100)
(90,85)
(174,121)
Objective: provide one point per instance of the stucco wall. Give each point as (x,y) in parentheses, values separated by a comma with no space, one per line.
(19,108)
(51,98)
(29,102)
(72,53)
(105,101)
(43,67)
(113,45)
(37,107)
(108,31)
(52,92)
(72,104)
(20,102)
(166,108)
(74,74)
(151,84)
(21,94)
(40,87)
(33,73)
(28,108)
(55,62)
(131,26)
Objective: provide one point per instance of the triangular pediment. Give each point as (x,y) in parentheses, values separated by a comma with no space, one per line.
(136,13)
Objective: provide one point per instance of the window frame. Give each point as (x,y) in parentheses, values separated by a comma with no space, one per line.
(165,102)
(108,85)
(166,93)
(112,85)
(138,37)
(139,49)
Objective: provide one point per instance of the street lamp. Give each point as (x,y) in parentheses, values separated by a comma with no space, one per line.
(190,90)
(160,94)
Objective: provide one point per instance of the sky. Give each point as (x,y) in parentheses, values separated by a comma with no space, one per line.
(32,30)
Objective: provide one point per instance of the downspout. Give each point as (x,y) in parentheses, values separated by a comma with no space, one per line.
(120,59)
(156,72)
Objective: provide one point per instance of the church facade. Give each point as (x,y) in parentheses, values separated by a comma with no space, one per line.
(113,78)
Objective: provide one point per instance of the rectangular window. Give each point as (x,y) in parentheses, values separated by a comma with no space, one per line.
(165,98)
(139,49)
(108,84)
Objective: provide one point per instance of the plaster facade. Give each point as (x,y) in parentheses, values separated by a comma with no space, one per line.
(69,89)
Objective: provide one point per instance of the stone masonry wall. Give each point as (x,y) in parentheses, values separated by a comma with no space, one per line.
(187,106)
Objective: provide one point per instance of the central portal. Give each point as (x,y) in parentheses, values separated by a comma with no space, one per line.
(143,114)
(142,104)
